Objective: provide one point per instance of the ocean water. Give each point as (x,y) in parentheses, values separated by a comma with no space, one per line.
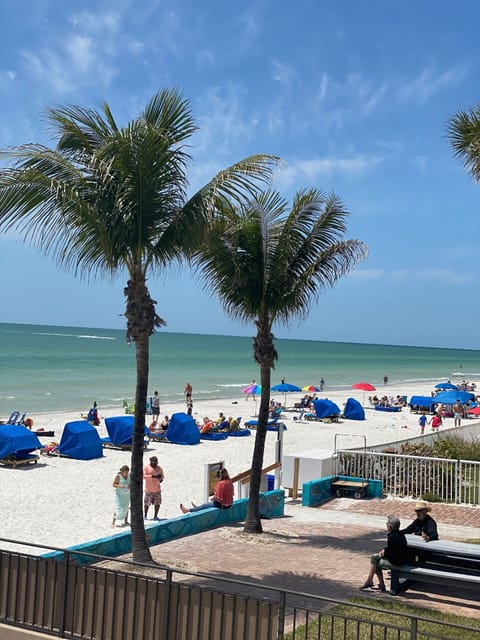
(47,368)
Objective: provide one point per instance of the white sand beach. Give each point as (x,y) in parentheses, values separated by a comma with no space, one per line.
(61,502)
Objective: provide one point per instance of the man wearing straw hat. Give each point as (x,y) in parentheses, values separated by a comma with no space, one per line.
(423,525)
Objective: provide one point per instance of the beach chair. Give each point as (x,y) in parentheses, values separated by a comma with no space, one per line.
(13,417)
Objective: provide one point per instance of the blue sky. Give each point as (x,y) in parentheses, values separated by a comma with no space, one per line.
(354,96)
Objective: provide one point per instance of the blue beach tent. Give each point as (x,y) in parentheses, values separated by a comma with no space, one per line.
(421,402)
(353,410)
(17,440)
(326,408)
(183,430)
(120,430)
(80,440)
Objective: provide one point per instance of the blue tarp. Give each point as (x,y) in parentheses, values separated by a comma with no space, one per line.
(80,440)
(17,440)
(183,430)
(353,410)
(421,401)
(120,430)
(450,397)
(326,408)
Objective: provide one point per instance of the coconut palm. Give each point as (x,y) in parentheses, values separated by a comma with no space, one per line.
(464,133)
(268,265)
(110,200)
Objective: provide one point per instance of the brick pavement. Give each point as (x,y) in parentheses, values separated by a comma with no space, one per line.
(322,558)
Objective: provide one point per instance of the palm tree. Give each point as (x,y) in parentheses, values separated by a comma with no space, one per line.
(109,200)
(268,265)
(463,131)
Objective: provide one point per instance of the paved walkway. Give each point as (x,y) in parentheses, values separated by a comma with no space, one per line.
(322,551)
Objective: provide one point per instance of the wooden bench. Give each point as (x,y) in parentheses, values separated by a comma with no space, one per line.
(350,487)
(443,562)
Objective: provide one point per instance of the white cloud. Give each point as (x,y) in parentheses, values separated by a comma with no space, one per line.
(428,83)
(80,50)
(442,275)
(283,73)
(311,169)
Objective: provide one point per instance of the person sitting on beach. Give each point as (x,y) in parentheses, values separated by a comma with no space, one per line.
(222,496)
(92,416)
(164,423)
(220,419)
(206,426)
(395,553)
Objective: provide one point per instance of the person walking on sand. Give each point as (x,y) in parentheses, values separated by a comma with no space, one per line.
(422,421)
(155,406)
(321,384)
(153,476)
(121,484)
(436,422)
(252,393)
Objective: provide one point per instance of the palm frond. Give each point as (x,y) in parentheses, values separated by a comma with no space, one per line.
(463,130)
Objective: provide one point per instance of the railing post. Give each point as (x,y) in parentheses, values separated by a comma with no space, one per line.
(413,628)
(63,596)
(281,615)
(168,589)
(458,480)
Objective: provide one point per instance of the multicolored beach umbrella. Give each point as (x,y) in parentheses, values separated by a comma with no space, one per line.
(252,389)
(310,388)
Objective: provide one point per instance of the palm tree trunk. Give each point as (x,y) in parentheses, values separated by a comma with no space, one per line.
(265,355)
(140,548)
(141,322)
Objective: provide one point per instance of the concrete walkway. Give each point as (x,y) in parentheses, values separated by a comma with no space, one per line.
(322,551)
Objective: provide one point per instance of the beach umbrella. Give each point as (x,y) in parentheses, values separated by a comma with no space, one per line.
(286,387)
(474,411)
(451,397)
(310,388)
(445,385)
(363,386)
(252,389)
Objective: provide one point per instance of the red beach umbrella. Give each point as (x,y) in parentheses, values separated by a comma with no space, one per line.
(364,386)
(474,411)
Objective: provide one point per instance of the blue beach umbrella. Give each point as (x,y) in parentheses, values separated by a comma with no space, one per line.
(445,385)
(450,397)
(286,387)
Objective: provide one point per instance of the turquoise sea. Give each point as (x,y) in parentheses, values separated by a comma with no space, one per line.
(46,368)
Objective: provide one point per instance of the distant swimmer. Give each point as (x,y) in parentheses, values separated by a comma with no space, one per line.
(385,379)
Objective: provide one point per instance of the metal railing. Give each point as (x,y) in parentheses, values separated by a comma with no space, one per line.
(446,480)
(121,600)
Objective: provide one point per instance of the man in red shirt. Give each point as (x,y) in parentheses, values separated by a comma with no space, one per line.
(153,476)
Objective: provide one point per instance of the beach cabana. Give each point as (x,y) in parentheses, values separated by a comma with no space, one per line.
(353,410)
(120,431)
(183,430)
(326,408)
(17,441)
(421,403)
(80,440)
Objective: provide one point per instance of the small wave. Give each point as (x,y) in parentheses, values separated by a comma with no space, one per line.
(96,337)
(234,384)
(49,333)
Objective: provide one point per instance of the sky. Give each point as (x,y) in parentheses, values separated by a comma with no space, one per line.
(354,96)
